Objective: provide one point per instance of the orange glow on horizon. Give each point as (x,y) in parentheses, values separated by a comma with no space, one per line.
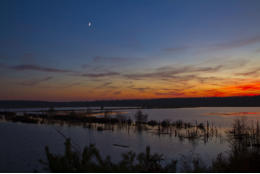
(250,89)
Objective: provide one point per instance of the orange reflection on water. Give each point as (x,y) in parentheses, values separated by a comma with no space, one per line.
(234,113)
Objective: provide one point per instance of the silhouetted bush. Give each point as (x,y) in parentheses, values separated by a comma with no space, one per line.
(244,154)
(165,123)
(140,117)
(90,160)
(178,124)
(201,126)
(51,112)
(152,123)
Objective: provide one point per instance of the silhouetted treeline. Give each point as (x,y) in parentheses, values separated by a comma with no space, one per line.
(145,103)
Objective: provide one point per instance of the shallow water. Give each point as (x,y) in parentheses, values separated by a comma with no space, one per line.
(22,145)
(219,116)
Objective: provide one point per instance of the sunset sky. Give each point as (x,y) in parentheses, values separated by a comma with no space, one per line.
(133,49)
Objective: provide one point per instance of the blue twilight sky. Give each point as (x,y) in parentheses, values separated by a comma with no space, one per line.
(49,43)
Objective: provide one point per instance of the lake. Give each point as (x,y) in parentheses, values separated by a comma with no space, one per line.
(22,145)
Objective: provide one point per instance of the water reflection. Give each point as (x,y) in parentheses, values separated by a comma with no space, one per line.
(244,114)
(24,143)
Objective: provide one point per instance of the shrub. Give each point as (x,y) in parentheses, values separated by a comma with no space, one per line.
(140,117)
(90,160)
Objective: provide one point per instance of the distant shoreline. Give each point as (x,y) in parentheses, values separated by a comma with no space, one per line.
(248,101)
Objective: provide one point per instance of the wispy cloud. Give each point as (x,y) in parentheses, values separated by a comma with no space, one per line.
(252,72)
(214,93)
(106,63)
(172,72)
(100,75)
(29,67)
(61,85)
(106,85)
(71,85)
(116,60)
(141,89)
(117,92)
(34,82)
(236,43)
(185,69)
(175,49)
(109,59)
(172,93)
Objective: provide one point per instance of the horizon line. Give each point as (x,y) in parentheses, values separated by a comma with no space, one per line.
(67,101)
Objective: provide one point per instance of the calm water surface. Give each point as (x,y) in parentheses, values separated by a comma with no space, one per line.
(22,145)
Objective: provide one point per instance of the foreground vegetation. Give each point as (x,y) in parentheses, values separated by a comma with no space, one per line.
(243,156)
(90,160)
(244,153)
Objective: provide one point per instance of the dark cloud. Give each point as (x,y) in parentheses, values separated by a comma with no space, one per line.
(173,72)
(71,85)
(28,67)
(236,63)
(141,89)
(105,85)
(108,59)
(98,75)
(236,43)
(117,92)
(95,68)
(253,72)
(208,79)
(35,81)
(189,69)
(172,93)
(176,49)
(62,85)
(227,62)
